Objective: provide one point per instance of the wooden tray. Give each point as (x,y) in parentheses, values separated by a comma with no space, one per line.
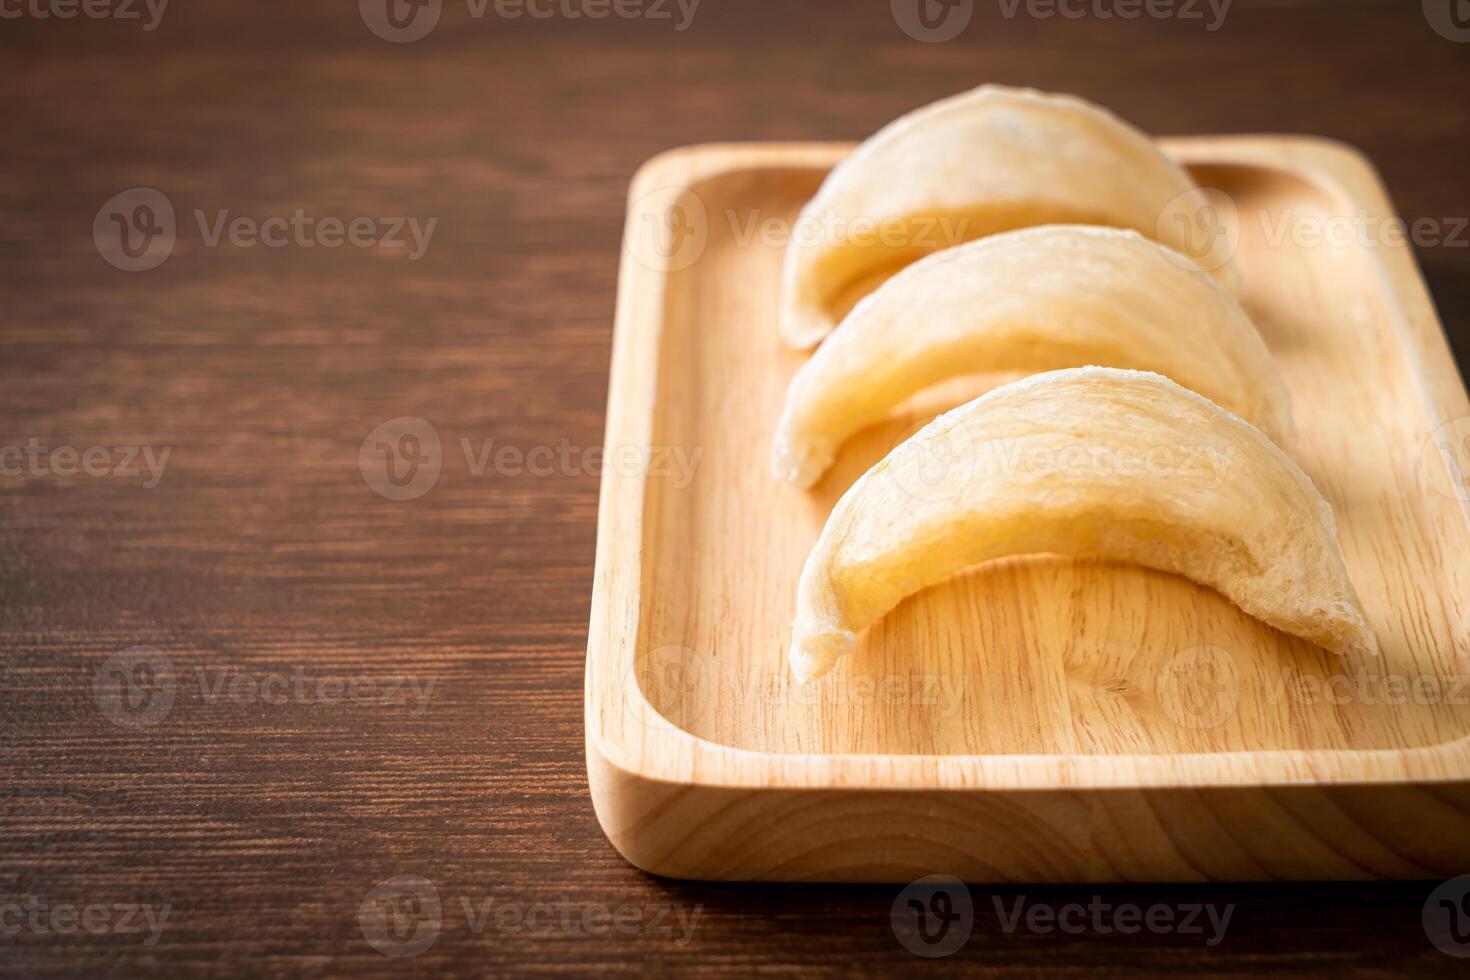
(1038,719)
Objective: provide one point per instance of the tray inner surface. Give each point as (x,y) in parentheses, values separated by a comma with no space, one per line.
(1043,655)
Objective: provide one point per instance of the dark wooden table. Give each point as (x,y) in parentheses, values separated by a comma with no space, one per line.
(331,688)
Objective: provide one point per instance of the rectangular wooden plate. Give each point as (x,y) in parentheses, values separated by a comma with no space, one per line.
(1036,719)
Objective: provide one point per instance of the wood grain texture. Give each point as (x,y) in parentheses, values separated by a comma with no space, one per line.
(1010,708)
(263,550)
